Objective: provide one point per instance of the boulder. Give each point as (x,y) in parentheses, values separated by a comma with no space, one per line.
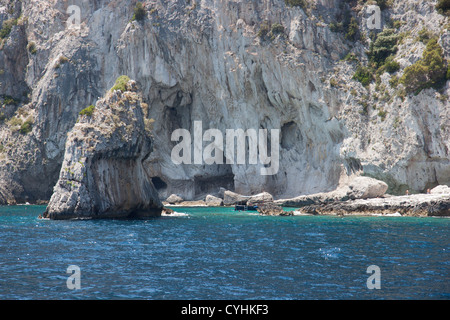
(259,198)
(192,203)
(167,211)
(441,189)
(366,187)
(340,194)
(357,188)
(213,201)
(231,198)
(174,199)
(272,209)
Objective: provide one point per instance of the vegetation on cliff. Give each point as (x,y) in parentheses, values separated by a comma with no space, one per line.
(139,12)
(121,83)
(443,6)
(429,72)
(7,27)
(88,111)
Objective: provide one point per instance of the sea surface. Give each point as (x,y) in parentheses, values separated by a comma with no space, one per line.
(217,253)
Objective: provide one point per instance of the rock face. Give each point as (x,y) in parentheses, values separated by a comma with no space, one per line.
(230,65)
(103,174)
(412,205)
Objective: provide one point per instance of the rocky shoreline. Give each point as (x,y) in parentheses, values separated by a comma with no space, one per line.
(341,202)
(349,200)
(418,205)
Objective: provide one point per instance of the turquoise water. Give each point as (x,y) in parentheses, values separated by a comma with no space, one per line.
(216,253)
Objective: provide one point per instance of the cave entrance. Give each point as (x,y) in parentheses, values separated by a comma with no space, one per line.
(159,183)
(211,185)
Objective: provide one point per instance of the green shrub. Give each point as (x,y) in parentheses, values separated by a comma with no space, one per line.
(414,78)
(296,3)
(32,47)
(401,93)
(61,60)
(14,121)
(428,72)
(267,31)
(383,4)
(277,28)
(443,6)
(382,114)
(350,57)
(365,109)
(384,46)
(264,29)
(8,100)
(391,65)
(139,12)
(363,75)
(396,24)
(394,82)
(347,24)
(121,83)
(424,35)
(333,82)
(336,27)
(7,27)
(352,30)
(26,127)
(88,111)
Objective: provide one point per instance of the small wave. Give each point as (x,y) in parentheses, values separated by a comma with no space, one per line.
(395,214)
(298,213)
(174,214)
(330,252)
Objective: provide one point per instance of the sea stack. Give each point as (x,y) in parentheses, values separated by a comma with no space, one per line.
(102,175)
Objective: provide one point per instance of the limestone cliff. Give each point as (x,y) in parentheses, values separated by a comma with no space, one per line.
(102,174)
(229,64)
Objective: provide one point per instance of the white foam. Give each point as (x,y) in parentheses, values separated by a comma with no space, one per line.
(395,214)
(174,214)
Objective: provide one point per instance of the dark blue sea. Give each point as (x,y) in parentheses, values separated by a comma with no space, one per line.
(216,253)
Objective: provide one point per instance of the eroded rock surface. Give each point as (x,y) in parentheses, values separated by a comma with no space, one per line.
(412,205)
(103,175)
(209,61)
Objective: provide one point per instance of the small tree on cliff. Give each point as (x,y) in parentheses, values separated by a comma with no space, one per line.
(139,12)
(428,72)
